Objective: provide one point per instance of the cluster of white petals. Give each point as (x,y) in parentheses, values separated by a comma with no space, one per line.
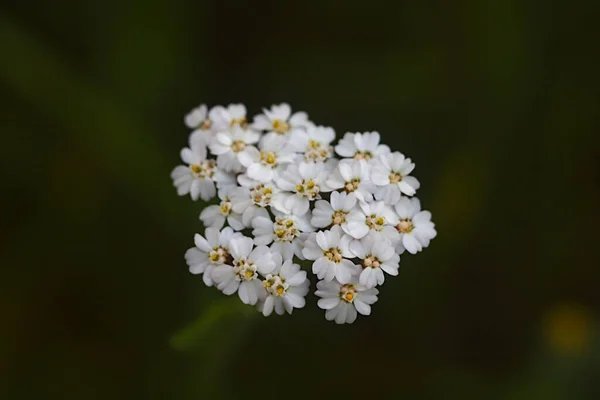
(286,195)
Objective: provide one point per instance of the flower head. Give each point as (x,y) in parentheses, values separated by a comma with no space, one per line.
(361,146)
(242,275)
(390,172)
(263,164)
(228,117)
(342,302)
(299,184)
(210,252)
(286,288)
(414,226)
(285,234)
(284,183)
(331,252)
(353,176)
(314,143)
(199,174)
(279,121)
(377,255)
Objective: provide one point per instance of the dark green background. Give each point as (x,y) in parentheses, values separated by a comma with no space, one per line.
(495,101)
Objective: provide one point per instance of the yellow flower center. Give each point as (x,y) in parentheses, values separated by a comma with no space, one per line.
(206,124)
(225,207)
(317,152)
(261,195)
(206,169)
(334,255)
(375,222)
(395,177)
(239,121)
(371,262)
(275,285)
(245,270)
(268,158)
(219,255)
(405,226)
(352,185)
(238,146)
(348,293)
(338,218)
(363,155)
(281,126)
(285,230)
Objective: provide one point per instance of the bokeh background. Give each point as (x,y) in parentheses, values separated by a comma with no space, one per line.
(496,101)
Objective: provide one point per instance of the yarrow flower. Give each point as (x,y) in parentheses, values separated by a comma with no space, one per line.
(292,202)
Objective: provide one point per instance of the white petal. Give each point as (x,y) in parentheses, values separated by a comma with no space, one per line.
(328,303)
(361,307)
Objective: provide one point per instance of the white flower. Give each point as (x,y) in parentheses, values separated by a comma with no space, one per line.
(377,255)
(210,252)
(285,233)
(225,118)
(353,177)
(334,211)
(279,121)
(305,182)
(361,146)
(286,287)
(242,276)
(342,301)
(314,143)
(231,145)
(197,118)
(263,164)
(197,178)
(415,226)
(214,216)
(390,173)
(372,217)
(331,252)
(252,203)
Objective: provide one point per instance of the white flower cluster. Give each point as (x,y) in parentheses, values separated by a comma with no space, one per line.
(287,194)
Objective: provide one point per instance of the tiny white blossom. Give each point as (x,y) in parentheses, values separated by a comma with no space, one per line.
(210,252)
(331,252)
(286,288)
(279,121)
(390,172)
(262,164)
(231,145)
(352,176)
(285,234)
(415,226)
(197,118)
(342,301)
(252,202)
(334,211)
(314,143)
(242,276)
(299,184)
(377,255)
(198,177)
(361,146)
(225,118)
(215,216)
(372,217)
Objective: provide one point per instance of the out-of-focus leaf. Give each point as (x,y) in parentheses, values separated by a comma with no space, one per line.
(216,316)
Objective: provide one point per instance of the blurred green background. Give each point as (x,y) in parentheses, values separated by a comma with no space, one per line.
(497,102)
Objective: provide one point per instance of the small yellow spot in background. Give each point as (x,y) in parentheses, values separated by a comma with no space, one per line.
(249,274)
(568,329)
(280,290)
(349,296)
